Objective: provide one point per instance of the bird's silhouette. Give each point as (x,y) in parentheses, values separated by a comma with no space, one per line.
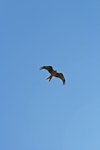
(53,73)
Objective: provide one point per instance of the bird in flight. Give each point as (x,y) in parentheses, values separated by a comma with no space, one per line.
(53,73)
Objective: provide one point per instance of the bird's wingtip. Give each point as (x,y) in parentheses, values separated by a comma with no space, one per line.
(64,82)
(41,68)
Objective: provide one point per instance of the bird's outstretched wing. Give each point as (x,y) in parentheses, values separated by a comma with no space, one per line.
(61,76)
(49,68)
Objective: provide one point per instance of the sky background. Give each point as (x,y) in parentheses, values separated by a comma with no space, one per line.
(36,114)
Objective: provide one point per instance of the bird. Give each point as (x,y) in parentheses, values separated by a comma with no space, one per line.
(53,73)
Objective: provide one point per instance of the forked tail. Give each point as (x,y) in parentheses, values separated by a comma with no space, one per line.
(49,78)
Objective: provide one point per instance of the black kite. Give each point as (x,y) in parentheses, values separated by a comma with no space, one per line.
(53,73)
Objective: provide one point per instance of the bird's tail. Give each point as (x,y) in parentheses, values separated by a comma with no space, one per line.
(49,78)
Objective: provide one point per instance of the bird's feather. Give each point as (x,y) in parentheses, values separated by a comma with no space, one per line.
(61,76)
(54,73)
(49,68)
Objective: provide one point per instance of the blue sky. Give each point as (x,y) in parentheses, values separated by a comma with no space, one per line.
(36,114)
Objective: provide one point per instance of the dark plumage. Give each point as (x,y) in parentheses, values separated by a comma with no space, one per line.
(53,73)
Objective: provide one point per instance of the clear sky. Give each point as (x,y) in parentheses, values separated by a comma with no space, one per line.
(36,114)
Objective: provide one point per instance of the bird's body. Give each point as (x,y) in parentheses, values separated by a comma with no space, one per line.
(53,73)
